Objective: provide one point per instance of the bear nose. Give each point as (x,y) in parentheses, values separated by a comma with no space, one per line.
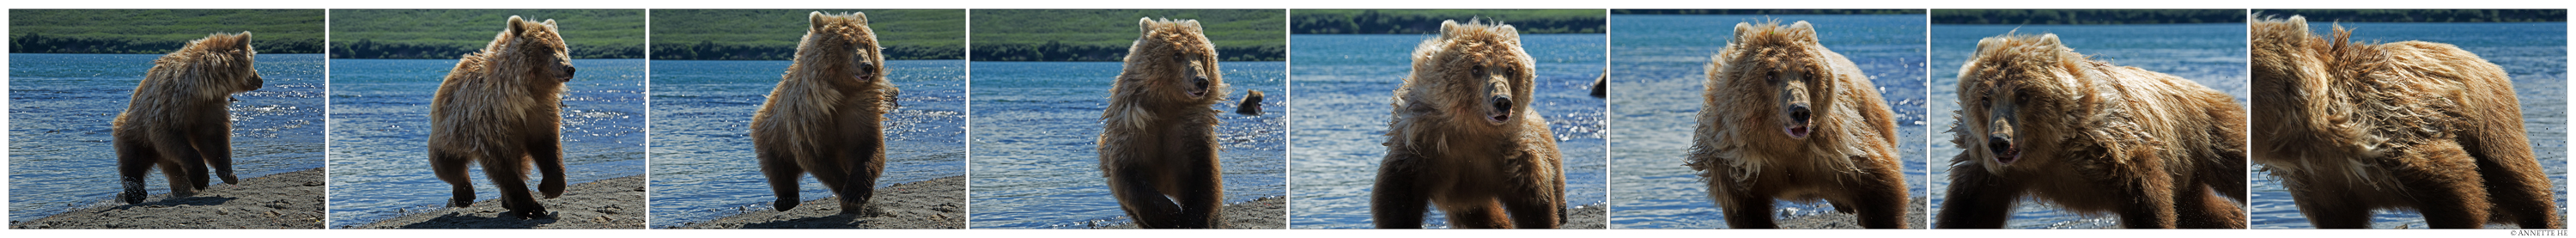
(1502,104)
(1200,80)
(1998,144)
(1798,112)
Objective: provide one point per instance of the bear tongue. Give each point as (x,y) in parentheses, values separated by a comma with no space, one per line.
(2008,156)
(1797,132)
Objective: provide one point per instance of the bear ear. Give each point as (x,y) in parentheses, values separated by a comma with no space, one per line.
(2048,39)
(1448,27)
(1193,24)
(515,28)
(2301,22)
(1743,29)
(550,24)
(1803,31)
(1508,32)
(860,18)
(244,42)
(814,21)
(1145,26)
(1991,42)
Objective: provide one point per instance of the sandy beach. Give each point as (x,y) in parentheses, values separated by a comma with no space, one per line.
(1914,219)
(935,204)
(1264,213)
(616,203)
(291,200)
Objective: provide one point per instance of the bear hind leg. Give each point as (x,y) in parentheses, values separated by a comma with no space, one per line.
(451,169)
(134,160)
(2519,192)
(2446,187)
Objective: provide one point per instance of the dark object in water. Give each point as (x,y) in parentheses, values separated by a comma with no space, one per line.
(1251,104)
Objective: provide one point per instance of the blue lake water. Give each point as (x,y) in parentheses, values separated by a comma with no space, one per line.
(703,164)
(2534,54)
(60,155)
(380,125)
(2211,54)
(1037,125)
(1345,82)
(1660,69)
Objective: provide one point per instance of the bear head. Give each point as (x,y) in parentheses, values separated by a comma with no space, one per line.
(1477,74)
(2011,74)
(1782,69)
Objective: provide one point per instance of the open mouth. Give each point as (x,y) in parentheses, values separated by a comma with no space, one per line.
(1499,117)
(2006,154)
(1797,131)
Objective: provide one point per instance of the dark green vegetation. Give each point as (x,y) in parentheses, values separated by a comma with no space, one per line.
(1766,11)
(1407,21)
(772,34)
(2086,16)
(1104,35)
(122,31)
(2421,15)
(449,33)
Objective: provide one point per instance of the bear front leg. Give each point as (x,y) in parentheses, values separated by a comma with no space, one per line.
(2326,206)
(1397,201)
(1747,211)
(2197,208)
(1976,199)
(215,143)
(1881,202)
(2151,209)
(133,161)
(546,149)
(450,168)
(782,172)
(514,188)
(1539,204)
(1134,188)
(1476,214)
(1203,204)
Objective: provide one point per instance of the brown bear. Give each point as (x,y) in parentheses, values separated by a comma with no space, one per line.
(1784,118)
(178,120)
(2041,120)
(823,119)
(2350,127)
(1463,137)
(1158,143)
(499,108)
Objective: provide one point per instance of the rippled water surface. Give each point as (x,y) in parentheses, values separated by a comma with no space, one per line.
(1037,126)
(380,125)
(1344,85)
(2534,54)
(1660,63)
(703,164)
(2211,54)
(60,155)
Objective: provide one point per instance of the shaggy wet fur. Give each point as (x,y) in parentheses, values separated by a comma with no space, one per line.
(2042,121)
(499,108)
(2352,127)
(1786,119)
(177,119)
(1463,137)
(823,119)
(1158,144)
